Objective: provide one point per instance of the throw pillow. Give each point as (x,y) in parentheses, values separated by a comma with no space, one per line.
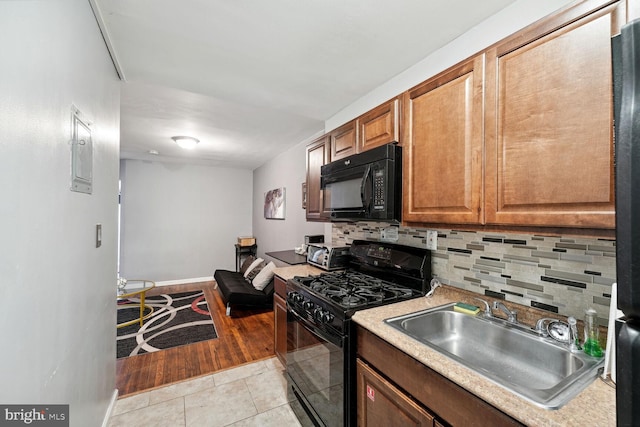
(264,277)
(253,265)
(254,272)
(247,262)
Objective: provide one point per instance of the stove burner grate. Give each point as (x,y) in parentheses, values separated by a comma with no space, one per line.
(351,301)
(350,289)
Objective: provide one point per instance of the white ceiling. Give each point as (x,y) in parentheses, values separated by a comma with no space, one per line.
(252,78)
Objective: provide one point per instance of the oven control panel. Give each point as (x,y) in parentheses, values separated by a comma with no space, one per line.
(379,189)
(379,252)
(303,304)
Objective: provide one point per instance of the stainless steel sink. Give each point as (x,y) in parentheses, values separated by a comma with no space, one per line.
(538,369)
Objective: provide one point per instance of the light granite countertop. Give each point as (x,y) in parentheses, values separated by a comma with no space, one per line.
(594,406)
(287,273)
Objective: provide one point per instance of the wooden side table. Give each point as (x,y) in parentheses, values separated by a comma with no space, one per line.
(244,251)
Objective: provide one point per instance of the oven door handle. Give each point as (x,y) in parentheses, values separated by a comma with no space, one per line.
(365,189)
(332,338)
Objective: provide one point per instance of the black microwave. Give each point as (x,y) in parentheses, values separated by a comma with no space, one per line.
(365,186)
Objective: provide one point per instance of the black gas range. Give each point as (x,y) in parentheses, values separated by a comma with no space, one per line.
(331,298)
(320,344)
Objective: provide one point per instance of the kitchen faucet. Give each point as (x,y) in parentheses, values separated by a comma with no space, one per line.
(512,316)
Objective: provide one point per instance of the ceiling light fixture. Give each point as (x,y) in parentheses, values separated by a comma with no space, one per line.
(186,142)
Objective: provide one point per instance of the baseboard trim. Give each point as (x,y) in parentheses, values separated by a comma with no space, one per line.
(183,281)
(112,405)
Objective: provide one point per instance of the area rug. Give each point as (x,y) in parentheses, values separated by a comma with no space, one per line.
(178,319)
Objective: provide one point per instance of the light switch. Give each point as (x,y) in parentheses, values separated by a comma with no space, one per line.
(98,235)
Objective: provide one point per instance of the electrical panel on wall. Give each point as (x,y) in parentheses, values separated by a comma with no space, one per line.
(81,153)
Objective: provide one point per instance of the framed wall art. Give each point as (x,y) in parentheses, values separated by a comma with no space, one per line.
(274,203)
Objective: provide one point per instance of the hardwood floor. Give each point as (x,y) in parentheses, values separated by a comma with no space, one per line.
(246,336)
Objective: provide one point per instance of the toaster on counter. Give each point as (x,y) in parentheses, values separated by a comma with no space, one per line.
(328,257)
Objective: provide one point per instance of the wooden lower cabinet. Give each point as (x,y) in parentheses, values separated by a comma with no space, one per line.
(382,404)
(450,403)
(280,320)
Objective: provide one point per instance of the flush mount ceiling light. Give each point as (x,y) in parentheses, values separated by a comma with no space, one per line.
(186,142)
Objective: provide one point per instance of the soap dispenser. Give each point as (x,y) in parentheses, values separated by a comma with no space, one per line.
(591,334)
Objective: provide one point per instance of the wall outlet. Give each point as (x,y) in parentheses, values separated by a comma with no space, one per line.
(432,240)
(389,234)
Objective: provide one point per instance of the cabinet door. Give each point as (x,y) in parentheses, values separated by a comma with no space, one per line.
(442,147)
(317,155)
(549,123)
(343,141)
(280,327)
(380,403)
(379,126)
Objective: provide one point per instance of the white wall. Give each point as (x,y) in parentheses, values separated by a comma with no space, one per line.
(504,23)
(57,305)
(287,170)
(180,221)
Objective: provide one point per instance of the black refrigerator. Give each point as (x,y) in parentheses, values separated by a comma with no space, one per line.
(626,87)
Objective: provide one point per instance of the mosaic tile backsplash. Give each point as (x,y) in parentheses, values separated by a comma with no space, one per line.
(564,275)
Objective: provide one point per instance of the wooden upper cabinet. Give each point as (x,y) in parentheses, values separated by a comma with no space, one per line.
(317,155)
(549,123)
(343,141)
(442,149)
(379,126)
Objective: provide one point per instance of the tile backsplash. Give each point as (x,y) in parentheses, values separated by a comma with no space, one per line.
(562,274)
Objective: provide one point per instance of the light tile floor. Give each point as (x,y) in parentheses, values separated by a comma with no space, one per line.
(250,395)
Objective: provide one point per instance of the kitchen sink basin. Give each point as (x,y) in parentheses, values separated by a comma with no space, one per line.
(536,368)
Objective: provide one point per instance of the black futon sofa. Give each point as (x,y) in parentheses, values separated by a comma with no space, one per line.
(235,290)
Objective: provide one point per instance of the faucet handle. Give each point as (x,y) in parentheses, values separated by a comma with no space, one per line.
(541,328)
(487,308)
